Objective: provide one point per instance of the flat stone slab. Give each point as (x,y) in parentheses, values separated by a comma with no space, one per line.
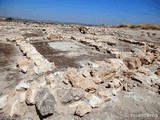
(66,45)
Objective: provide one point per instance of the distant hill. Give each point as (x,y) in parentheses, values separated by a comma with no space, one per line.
(40,21)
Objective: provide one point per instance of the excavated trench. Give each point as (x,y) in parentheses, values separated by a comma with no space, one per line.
(68,53)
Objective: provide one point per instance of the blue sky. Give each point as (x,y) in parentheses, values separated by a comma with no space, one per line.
(108,12)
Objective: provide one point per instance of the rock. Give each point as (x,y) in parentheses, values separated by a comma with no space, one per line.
(97,80)
(42,84)
(113,51)
(73,38)
(95,72)
(10,39)
(43,65)
(116,90)
(11,93)
(107,73)
(53,36)
(27,118)
(111,42)
(93,65)
(141,78)
(138,52)
(70,95)
(75,104)
(50,78)
(22,97)
(71,108)
(115,83)
(53,85)
(23,65)
(85,72)
(45,102)
(83,29)
(105,94)
(79,81)
(59,74)
(17,109)
(158,72)
(116,64)
(95,101)
(30,96)
(148,59)
(83,109)
(108,68)
(125,55)
(22,86)
(154,78)
(143,70)
(151,79)
(36,70)
(19,39)
(24,69)
(132,62)
(3,101)
(137,62)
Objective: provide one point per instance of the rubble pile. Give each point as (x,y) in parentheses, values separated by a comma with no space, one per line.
(34,62)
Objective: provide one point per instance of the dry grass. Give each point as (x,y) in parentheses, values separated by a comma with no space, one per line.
(140,26)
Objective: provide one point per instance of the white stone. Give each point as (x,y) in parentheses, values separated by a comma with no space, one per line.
(75,104)
(17,108)
(95,101)
(115,83)
(114,91)
(3,101)
(42,84)
(30,96)
(49,78)
(22,86)
(23,64)
(24,69)
(118,64)
(13,108)
(105,94)
(22,97)
(154,78)
(53,85)
(36,70)
(144,70)
(85,71)
(58,74)
(94,65)
(83,109)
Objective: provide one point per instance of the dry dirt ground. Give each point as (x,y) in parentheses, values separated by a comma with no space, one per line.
(62,72)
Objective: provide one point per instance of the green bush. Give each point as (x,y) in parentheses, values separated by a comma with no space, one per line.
(9,19)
